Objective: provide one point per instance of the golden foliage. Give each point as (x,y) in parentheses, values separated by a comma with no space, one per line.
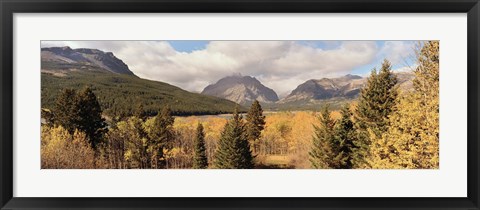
(412,139)
(286,135)
(410,142)
(213,126)
(60,150)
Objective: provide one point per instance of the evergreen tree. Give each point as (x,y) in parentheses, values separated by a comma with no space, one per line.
(322,153)
(200,157)
(412,139)
(80,111)
(376,102)
(161,136)
(344,138)
(66,110)
(255,123)
(233,150)
(90,117)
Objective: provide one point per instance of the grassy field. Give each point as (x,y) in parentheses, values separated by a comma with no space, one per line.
(274,162)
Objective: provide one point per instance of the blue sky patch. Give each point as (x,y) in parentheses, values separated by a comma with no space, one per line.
(188,46)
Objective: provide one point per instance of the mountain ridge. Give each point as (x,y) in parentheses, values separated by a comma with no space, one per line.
(66,58)
(346,87)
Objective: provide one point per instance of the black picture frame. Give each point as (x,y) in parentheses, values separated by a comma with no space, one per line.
(10,7)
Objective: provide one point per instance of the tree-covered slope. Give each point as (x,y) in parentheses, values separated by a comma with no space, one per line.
(120,95)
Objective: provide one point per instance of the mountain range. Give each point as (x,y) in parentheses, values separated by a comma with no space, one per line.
(245,89)
(119,88)
(345,87)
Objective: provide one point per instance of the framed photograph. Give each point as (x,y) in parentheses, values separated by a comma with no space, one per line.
(264,104)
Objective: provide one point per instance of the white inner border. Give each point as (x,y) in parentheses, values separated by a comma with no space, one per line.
(449,181)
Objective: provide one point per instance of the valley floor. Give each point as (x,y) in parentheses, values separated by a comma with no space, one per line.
(284,143)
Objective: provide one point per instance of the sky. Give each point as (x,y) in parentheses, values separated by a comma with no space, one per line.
(280,65)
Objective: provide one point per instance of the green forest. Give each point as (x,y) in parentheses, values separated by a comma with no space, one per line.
(120,95)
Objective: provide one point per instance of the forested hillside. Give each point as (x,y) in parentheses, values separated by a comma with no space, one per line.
(120,94)
(119,91)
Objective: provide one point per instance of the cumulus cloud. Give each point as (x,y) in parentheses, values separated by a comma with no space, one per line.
(398,52)
(280,65)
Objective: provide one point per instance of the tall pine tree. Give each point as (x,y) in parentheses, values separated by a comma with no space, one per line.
(200,160)
(233,150)
(376,102)
(161,136)
(255,123)
(344,138)
(322,153)
(90,117)
(66,110)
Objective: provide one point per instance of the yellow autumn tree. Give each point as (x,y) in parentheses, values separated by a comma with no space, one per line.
(276,137)
(300,141)
(62,150)
(412,139)
(137,147)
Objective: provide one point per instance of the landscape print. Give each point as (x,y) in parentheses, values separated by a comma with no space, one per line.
(302,104)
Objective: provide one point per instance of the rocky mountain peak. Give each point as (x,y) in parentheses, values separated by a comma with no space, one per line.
(351,76)
(241,89)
